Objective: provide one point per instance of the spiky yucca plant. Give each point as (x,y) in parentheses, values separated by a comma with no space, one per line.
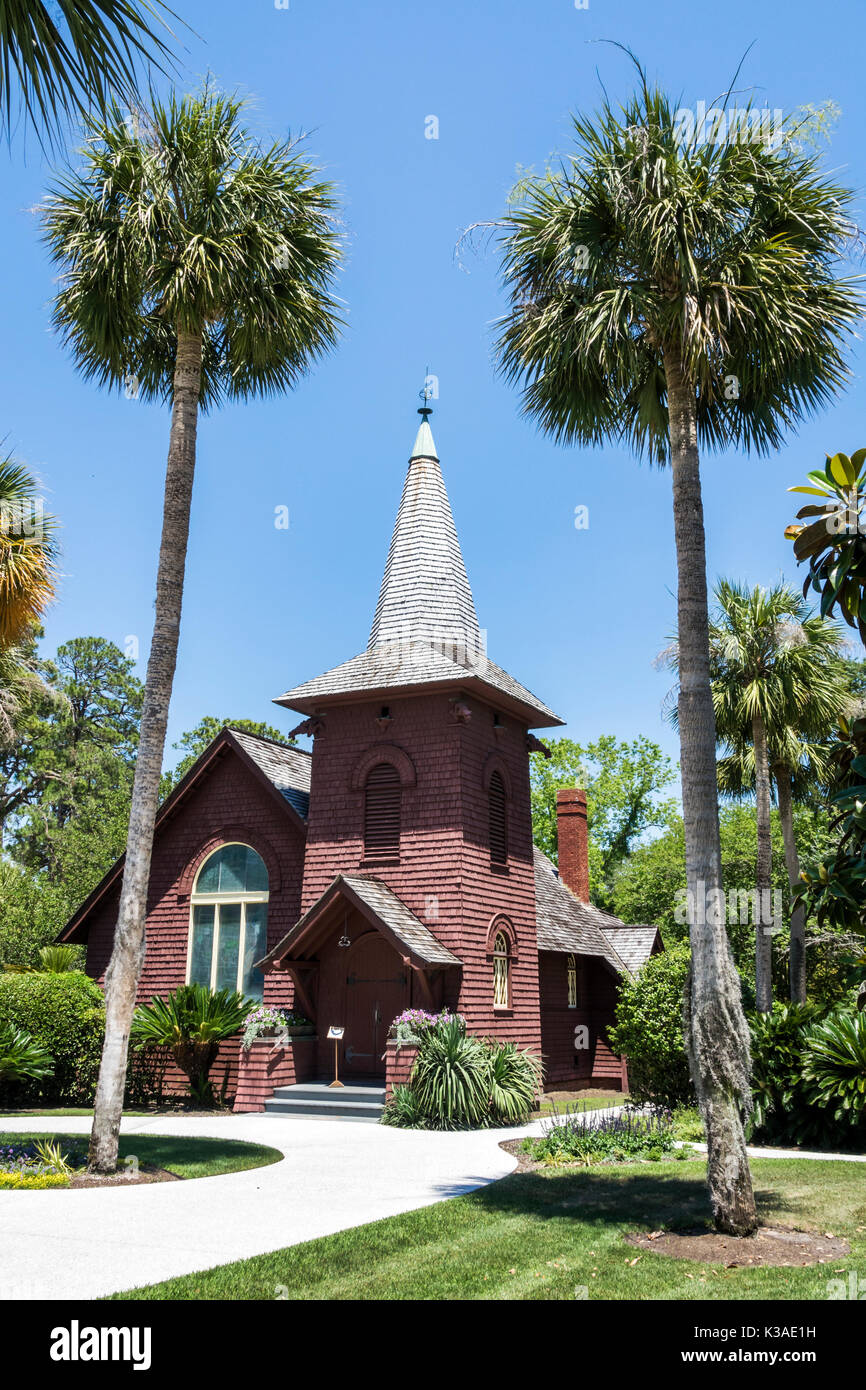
(514,1080)
(450,1078)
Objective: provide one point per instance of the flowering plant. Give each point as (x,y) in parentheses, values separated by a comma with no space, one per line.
(409,1026)
(37,1158)
(265,1018)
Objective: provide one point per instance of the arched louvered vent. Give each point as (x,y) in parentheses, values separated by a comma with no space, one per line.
(382,810)
(498,820)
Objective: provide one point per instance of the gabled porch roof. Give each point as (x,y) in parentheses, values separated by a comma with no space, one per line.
(382,909)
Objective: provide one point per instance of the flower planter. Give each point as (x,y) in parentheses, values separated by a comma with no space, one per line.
(399,1062)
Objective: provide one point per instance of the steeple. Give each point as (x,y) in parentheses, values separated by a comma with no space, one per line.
(425,594)
(425,633)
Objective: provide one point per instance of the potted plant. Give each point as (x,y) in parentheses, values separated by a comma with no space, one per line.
(267,1022)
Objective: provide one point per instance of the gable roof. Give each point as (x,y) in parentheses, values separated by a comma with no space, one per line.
(286,778)
(633,944)
(288,769)
(566,924)
(381,906)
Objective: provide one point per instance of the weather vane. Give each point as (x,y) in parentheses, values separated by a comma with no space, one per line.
(426,394)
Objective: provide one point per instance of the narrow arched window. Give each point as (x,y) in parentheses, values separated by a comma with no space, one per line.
(382,810)
(501,964)
(571,977)
(498,820)
(229,929)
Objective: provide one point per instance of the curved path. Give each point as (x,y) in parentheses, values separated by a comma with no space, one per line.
(335,1174)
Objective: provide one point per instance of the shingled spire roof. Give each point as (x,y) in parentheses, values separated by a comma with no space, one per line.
(425,594)
(425,631)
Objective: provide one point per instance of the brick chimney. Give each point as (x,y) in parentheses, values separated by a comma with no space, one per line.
(571,835)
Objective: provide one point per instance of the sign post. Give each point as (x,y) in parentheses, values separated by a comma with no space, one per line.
(336,1034)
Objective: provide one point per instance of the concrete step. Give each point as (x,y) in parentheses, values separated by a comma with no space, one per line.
(316,1091)
(325,1109)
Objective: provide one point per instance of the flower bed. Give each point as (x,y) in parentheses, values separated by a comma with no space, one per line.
(37,1163)
(591,1137)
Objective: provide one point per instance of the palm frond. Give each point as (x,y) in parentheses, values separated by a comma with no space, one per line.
(183,222)
(63,59)
(727,254)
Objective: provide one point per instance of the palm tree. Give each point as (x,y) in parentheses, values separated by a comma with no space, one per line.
(62,57)
(28,552)
(198,264)
(667,293)
(778,688)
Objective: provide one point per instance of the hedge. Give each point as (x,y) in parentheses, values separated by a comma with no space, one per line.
(66,1014)
(649,1030)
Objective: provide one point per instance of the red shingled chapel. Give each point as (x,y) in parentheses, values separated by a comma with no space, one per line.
(393,866)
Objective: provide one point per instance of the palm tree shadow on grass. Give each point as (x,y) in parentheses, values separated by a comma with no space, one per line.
(603,1200)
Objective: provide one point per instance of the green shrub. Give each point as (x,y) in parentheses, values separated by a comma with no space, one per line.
(688,1125)
(65,1015)
(450,1078)
(835,1068)
(32,1180)
(192,1021)
(649,1030)
(782,1110)
(463,1082)
(594,1137)
(514,1080)
(402,1109)
(22,1059)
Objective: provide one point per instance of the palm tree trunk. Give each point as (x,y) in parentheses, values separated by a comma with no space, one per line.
(127,956)
(797,957)
(716,1034)
(763,872)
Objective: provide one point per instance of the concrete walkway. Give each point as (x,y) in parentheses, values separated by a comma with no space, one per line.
(757,1151)
(336,1174)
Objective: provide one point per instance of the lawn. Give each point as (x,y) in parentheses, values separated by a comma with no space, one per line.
(187,1157)
(558,1102)
(545,1234)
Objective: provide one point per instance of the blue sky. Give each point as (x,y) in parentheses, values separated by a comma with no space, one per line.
(578,616)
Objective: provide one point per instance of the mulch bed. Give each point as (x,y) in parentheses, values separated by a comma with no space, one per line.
(771,1245)
(144,1175)
(525,1164)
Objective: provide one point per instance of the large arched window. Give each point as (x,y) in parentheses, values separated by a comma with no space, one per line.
(382,811)
(501,972)
(498,820)
(229,931)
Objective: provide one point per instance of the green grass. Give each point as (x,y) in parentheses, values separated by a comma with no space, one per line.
(64,1111)
(559,1103)
(541,1234)
(188,1157)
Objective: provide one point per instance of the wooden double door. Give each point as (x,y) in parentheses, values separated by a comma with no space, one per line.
(377,990)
